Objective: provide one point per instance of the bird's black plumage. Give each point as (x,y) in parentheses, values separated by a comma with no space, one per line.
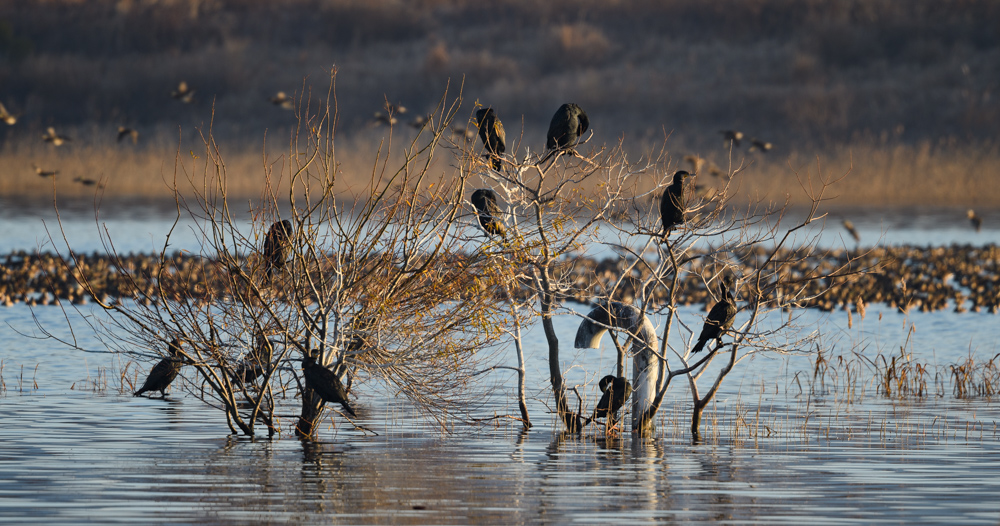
(672,203)
(164,372)
(492,134)
(276,245)
(567,127)
(720,318)
(325,383)
(485,201)
(616,391)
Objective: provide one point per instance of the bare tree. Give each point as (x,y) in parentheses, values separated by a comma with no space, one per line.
(372,281)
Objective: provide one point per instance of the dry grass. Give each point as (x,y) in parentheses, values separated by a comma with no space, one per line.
(940,174)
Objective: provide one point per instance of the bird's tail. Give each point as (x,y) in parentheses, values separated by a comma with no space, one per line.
(347,407)
(698,346)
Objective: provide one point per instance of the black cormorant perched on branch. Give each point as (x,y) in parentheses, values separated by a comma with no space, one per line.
(492,134)
(672,203)
(325,383)
(485,201)
(567,127)
(616,391)
(164,372)
(276,246)
(720,318)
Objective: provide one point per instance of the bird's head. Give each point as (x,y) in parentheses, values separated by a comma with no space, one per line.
(605,382)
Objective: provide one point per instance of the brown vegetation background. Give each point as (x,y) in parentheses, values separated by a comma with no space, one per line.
(904,91)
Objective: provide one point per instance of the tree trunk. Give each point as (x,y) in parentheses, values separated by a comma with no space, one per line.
(570,419)
(521,373)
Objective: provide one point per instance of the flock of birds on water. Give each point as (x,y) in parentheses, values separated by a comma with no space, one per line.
(566,130)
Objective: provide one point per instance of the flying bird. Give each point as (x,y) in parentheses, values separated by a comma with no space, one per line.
(325,383)
(974,219)
(381,118)
(164,372)
(54,138)
(6,116)
(44,173)
(124,132)
(849,226)
(85,182)
(183,93)
(464,132)
(276,245)
(732,136)
(492,134)
(567,127)
(420,121)
(673,204)
(757,144)
(720,318)
(282,100)
(485,201)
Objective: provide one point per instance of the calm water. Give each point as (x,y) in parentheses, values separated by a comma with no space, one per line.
(71,453)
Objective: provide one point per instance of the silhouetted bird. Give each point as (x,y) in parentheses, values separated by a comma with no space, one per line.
(85,182)
(183,93)
(720,318)
(44,173)
(124,132)
(492,134)
(54,138)
(420,121)
(276,245)
(616,392)
(851,230)
(282,100)
(757,144)
(567,127)
(974,219)
(164,372)
(6,116)
(485,201)
(381,118)
(672,203)
(325,383)
(464,132)
(254,364)
(732,136)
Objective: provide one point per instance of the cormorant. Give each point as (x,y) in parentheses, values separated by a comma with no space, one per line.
(44,173)
(164,372)
(6,116)
(276,245)
(183,93)
(567,127)
(720,318)
(975,220)
(492,134)
(757,144)
(128,132)
(732,135)
(282,100)
(616,392)
(672,203)
(54,138)
(325,383)
(381,118)
(485,201)
(851,230)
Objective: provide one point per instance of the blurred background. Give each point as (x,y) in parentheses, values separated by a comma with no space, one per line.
(902,94)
